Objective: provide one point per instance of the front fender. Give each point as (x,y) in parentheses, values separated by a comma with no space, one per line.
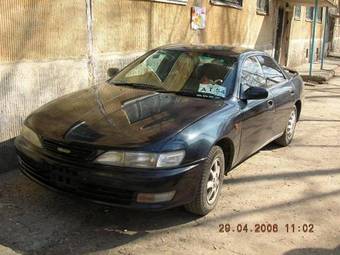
(198,139)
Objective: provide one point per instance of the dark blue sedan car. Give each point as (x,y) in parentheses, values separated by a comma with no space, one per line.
(163,131)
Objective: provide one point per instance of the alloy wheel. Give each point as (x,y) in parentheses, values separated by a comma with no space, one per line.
(213,184)
(291,125)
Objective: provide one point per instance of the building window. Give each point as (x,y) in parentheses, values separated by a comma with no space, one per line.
(262,6)
(297,12)
(309,13)
(320,15)
(232,3)
(184,2)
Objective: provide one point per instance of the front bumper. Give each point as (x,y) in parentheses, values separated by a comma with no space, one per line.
(107,185)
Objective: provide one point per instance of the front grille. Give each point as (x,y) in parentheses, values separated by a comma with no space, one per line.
(69,179)
(68,150)
(57,174)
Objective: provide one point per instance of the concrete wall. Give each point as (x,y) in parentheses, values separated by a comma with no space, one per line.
(46,45)
(336,36)
(43,55)
(42,50)
(300,39)
(134,26)
(50,48)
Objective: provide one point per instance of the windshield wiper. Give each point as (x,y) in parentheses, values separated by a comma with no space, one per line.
(192,94)
(138,85)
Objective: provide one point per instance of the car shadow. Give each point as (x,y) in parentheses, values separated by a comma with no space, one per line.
(8,158)
(282,175)
(319,120)
(38,221)
(271,146)
(314,251)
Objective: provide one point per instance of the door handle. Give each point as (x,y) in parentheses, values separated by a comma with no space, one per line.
(270,103)
(292,92)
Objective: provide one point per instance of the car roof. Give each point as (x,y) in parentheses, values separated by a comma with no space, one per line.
(221,50)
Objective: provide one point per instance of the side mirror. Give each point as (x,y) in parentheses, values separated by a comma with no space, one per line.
(256,93)
(112,72)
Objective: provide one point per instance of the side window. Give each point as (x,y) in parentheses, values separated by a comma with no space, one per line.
(271,71)
(252,74)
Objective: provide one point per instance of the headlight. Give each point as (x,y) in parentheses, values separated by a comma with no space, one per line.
(30,136)
(141,159)
(170,159)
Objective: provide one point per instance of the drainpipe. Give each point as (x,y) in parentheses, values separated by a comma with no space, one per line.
(90,51)
(316,3)
(325,27)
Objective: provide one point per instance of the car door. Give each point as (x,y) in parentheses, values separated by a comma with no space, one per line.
(256,116)
(282,90)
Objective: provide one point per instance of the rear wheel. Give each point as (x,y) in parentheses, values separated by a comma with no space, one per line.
(206,196)
(288,135)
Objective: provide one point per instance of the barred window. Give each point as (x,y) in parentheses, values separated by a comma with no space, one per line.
(263,6)
(237,3)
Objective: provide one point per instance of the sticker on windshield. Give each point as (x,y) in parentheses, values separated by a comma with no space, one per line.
(214,89)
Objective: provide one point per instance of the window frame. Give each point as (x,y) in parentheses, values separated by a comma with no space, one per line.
(179,2)
(295,8)
(229,3)
(319,16)
(278,69)
(308,19)
(261,11)
(240,91)
(237,88)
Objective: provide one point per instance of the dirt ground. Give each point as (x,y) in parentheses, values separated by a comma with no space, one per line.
(297,185)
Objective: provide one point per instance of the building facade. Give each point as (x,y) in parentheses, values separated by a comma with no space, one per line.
(50,48)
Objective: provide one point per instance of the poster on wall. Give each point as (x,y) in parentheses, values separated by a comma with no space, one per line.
(198,18)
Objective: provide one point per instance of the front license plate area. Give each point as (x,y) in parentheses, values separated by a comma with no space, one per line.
(64,177)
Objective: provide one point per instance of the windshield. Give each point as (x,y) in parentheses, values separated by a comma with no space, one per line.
(183,72)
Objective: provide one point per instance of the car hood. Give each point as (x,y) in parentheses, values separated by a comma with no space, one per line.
(115,116)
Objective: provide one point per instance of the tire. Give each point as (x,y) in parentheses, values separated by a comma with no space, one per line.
(202,203)
(288,135)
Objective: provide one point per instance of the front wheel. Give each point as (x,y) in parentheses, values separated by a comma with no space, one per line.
(288,135)
(207,194)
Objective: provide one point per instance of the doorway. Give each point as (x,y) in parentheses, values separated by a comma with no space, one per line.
(282,36)
(279,30)
(331,26)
